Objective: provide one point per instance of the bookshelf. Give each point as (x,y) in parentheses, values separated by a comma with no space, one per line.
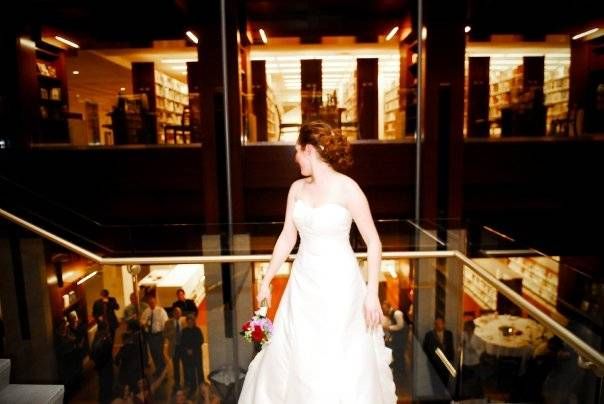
(52,97)
(167,96)
(479,290)
(172,97)
(392,114)
(540,277)
(486,295)
(516,104)
(556,90)
(349,114)
(272,117)
(505,87)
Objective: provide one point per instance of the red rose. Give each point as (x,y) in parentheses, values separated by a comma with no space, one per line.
(246,326)
(257,334)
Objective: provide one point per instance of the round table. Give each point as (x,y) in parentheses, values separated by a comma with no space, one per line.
(506,335)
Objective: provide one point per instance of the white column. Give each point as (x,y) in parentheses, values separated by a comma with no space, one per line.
(243,291)
(219,346)
(424,306)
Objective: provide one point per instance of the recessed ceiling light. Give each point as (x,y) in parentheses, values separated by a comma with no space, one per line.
(67,42)
(588,32)
(391,33)
(84,279)
(192,37)
(177,61)
(263,36)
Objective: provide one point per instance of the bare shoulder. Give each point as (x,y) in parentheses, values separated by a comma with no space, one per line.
(297,183)
(296,186)
(349,186)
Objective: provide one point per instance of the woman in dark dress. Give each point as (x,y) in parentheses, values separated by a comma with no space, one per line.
(191,341)
(100,353)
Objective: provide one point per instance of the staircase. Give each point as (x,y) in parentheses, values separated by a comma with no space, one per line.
(26,393)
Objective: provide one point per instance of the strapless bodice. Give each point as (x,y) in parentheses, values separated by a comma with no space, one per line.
(323,229)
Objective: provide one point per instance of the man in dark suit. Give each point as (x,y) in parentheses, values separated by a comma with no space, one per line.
(104,310)
(439,338)
(186,306)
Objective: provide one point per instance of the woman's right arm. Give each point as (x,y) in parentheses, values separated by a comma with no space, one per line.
(284,245)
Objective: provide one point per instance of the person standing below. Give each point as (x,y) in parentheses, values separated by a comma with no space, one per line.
(79,331)
(191,341)
(104,310)
(395,336)
(132,315)
(473,348)
(181,398)
(100,353)
(128,361)
(439,338)
(174,329)
(187,306)
(153,321)
(67,357)
(133,311)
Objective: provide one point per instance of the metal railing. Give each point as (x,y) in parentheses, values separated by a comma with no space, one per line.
(590,358)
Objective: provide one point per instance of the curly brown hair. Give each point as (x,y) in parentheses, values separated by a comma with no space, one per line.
(332,146)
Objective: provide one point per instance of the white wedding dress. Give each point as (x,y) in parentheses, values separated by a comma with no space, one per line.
(320,351)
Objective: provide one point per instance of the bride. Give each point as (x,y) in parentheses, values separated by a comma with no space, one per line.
(327,346)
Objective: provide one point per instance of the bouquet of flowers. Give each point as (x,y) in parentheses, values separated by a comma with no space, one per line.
(259,328)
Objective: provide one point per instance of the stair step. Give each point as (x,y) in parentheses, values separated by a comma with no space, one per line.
(31,393)
(4,373)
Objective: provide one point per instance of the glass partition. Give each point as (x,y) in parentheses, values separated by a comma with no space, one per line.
(496,347)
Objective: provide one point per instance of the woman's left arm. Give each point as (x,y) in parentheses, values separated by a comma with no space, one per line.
(359,208)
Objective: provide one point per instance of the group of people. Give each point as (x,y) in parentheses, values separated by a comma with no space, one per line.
(183,336)
(151,339)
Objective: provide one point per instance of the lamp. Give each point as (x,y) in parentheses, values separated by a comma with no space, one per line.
(134,270)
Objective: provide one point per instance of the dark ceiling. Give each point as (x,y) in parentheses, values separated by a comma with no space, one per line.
(140,21)
(306,18)
(532,17)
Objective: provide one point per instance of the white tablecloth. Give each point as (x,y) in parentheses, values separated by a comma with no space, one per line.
(527,335)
